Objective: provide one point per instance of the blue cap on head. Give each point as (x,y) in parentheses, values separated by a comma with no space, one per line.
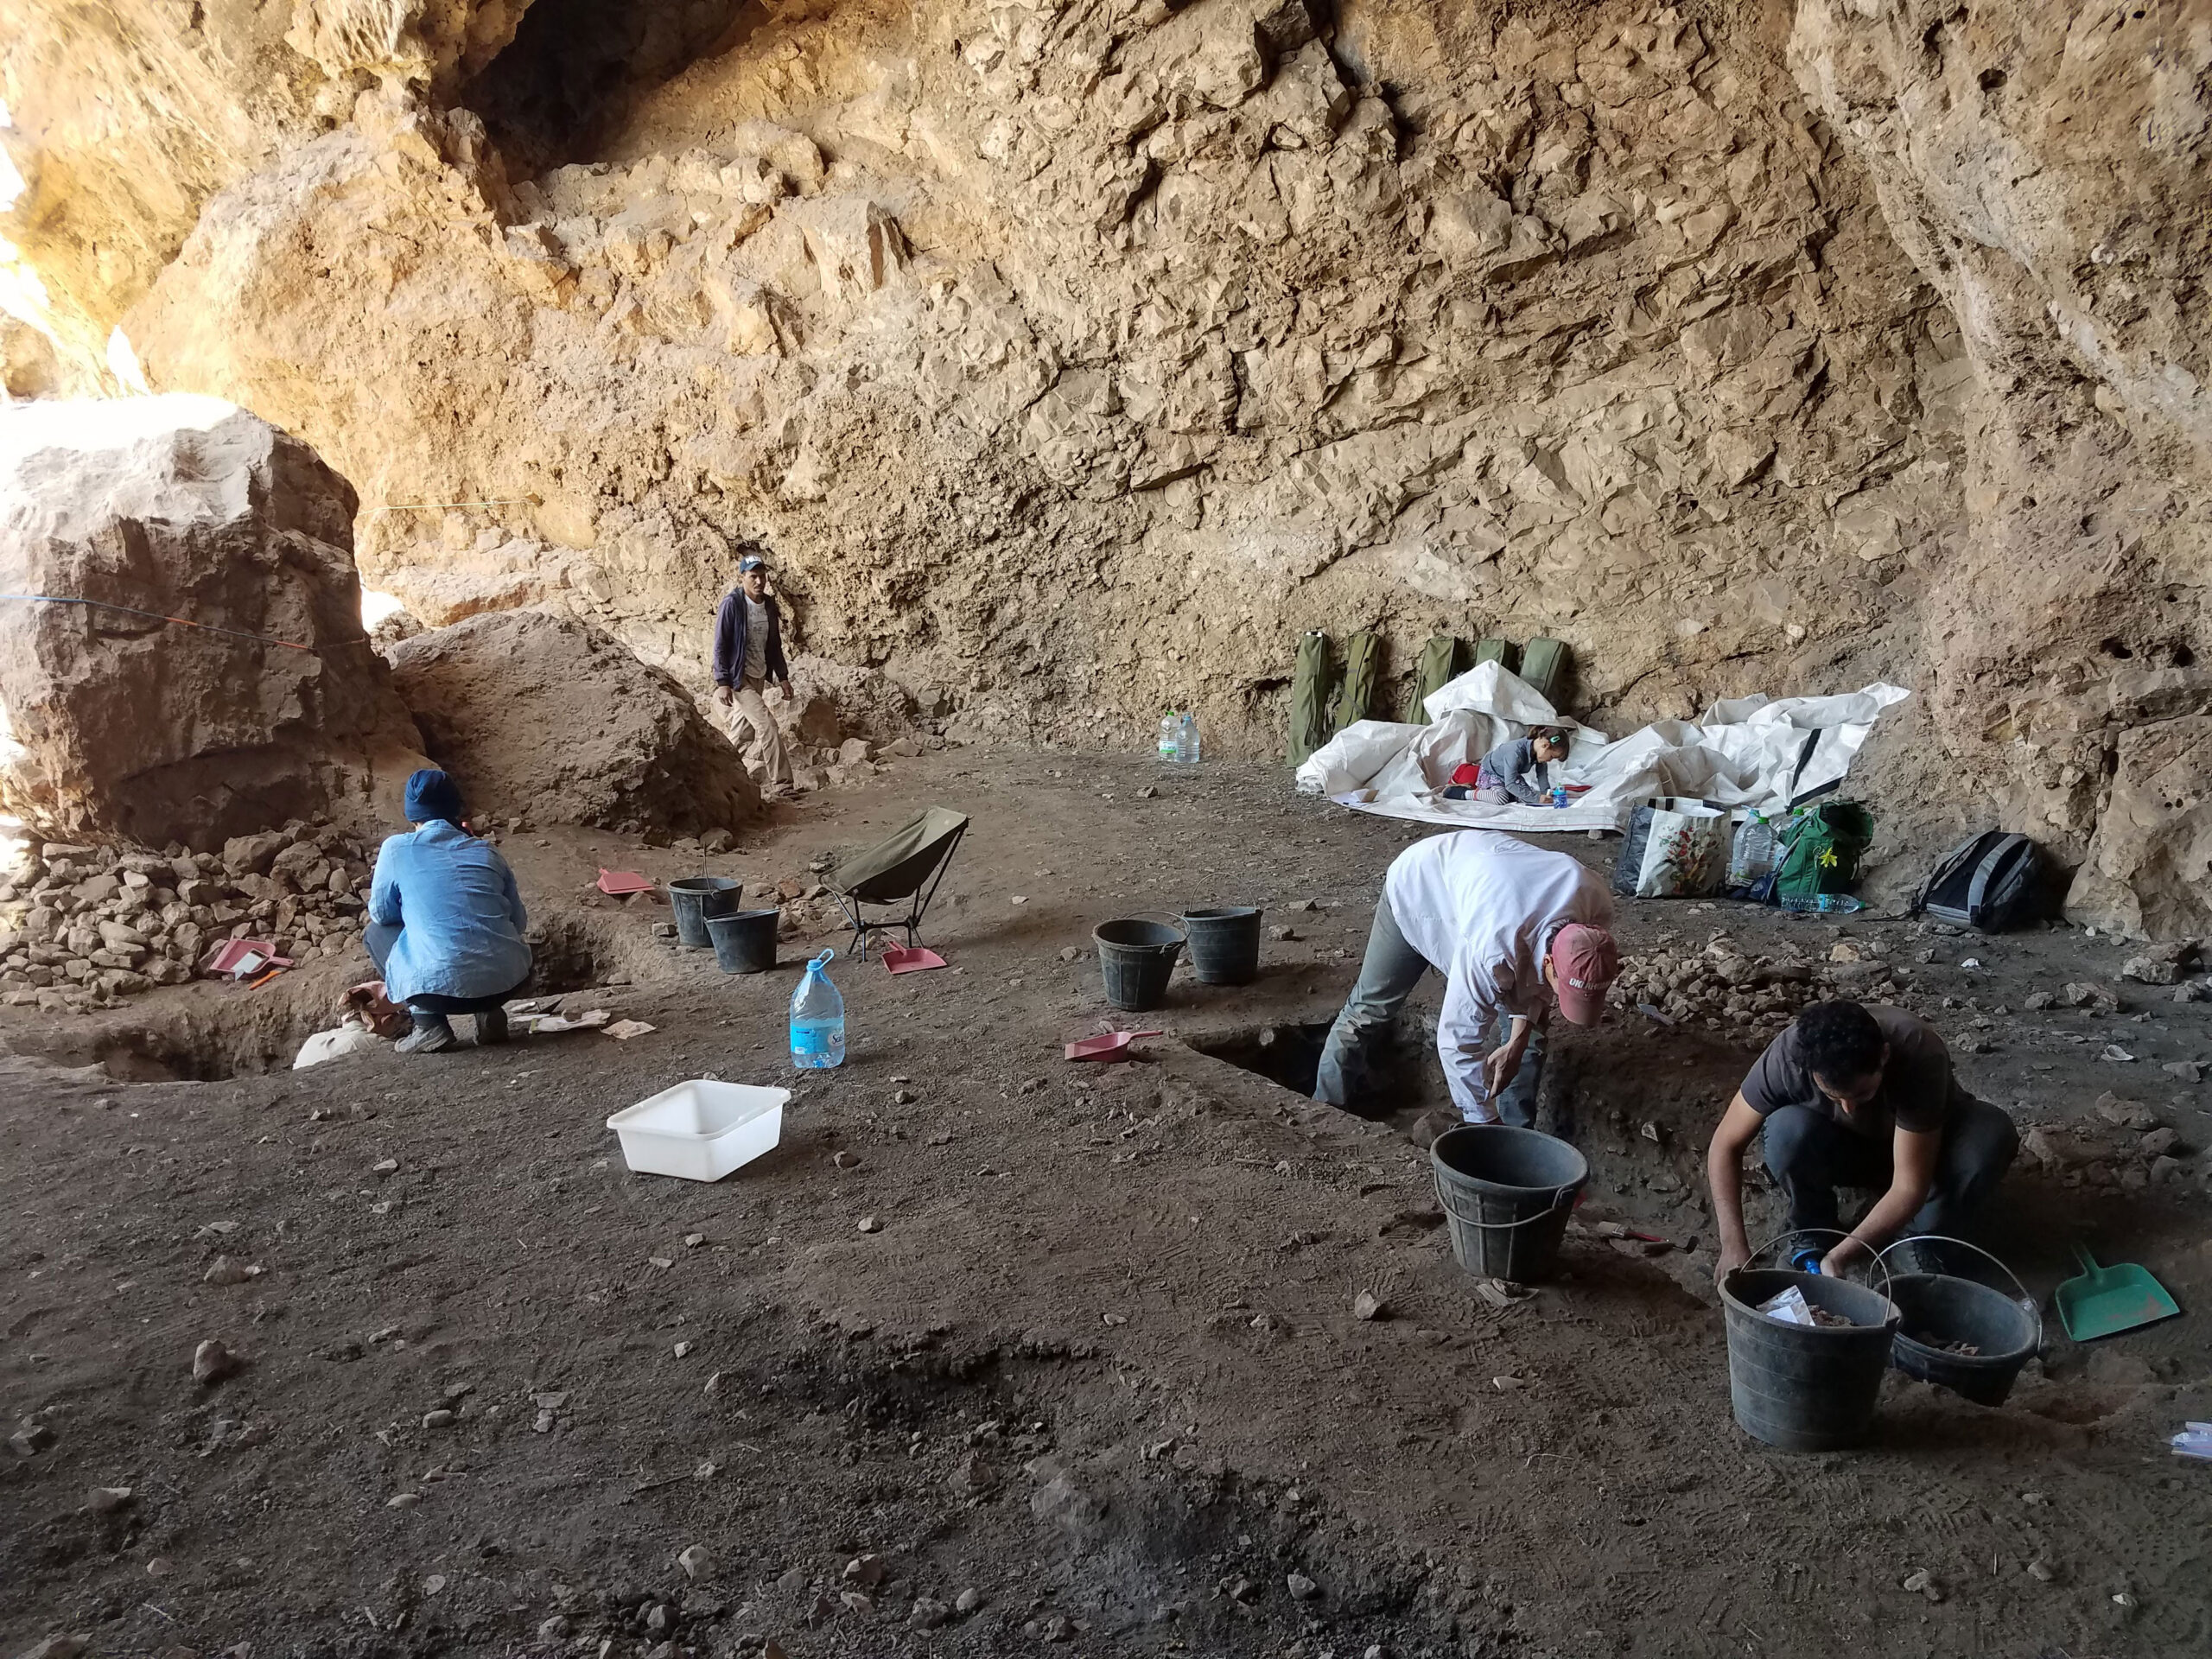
(751,562)
(432,795)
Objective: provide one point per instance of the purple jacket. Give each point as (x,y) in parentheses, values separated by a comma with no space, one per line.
(729,640)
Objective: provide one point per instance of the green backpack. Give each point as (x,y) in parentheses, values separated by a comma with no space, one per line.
(1823,844)
(1362,680)
(1437,667)
(1310,684)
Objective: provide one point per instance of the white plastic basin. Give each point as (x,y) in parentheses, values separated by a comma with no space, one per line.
(700,1130)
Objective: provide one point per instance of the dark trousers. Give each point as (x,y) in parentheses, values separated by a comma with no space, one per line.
(379,938)
(1810,1155)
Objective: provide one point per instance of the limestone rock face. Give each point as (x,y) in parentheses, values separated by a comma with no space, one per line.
(539,716)
(1072,358)
(124,723)
(2149,869)
(2046,165)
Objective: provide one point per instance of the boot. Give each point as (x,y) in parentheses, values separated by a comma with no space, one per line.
(491,1027)
(432,1034)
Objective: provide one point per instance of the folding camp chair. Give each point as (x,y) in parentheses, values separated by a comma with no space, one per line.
(903,868)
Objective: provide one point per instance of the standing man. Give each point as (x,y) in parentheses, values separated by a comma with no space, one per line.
(1858,1097)
(1512,928)
(748,659)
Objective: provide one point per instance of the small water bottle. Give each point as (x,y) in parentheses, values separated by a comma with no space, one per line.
(1187,740)
(1806,1261)
(1558,795)
(817,1019)
(1171,736)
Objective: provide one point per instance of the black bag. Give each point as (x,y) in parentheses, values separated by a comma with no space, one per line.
(1993,882)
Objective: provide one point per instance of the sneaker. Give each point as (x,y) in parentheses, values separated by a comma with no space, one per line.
(491,1027)
(1918,1255)
(427,1039)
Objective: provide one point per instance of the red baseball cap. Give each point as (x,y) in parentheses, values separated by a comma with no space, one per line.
(1585,963)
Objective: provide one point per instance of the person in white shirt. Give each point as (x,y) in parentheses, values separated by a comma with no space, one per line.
(1512,928)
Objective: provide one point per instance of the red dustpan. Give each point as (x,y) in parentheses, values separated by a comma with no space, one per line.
(911,959)
(1106,1045)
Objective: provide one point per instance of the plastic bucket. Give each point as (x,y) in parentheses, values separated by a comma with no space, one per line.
(694,897)
(745,940)
(1806,1388)
(1224,945)
(1135,959)
(1934,1309)
(1507,1193)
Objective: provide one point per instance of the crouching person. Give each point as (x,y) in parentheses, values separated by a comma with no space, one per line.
(1857,1096)
(445,922)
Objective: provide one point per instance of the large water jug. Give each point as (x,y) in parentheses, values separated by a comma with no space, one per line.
(817,1019)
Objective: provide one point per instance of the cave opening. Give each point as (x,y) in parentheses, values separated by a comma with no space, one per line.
(575,66)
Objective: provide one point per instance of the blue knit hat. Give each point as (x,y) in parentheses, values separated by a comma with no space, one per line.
(431,795)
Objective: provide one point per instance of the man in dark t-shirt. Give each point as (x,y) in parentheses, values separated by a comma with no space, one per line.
(1858,1096)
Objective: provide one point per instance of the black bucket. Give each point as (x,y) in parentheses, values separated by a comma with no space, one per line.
(1934,1309)
(1806,1388)
(745,940)
(694,897)
(1224,945)
(1507,1194)
(1136,958)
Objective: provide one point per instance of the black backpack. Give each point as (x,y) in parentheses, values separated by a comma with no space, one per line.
(1993,882)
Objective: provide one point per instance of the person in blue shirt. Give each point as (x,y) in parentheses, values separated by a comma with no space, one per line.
(445,922)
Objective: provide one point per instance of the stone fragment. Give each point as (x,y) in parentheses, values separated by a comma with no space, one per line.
(1301,1588)
(928,1615)
(30,1439)
(107,1500)
(225,1271)
(2150,970)
(694,1561)
(1368,1306)
(967,1602)
(212,1362)
(869,1224)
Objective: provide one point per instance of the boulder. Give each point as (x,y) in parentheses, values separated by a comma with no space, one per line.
(127,723)
(2148,873)
(542,717)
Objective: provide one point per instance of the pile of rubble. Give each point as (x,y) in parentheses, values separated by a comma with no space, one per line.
(2127,1146)
(1745,998)
(83,927)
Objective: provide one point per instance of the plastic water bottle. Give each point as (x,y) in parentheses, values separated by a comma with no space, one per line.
(817,1019)
(1171,736)
(1751,858)
(1187,746)
(1806,1260)
(1558,795)
(1834,902)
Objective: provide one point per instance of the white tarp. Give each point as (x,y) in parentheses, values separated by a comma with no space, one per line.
(1753,752)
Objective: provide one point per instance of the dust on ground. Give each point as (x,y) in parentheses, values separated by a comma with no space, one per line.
(1093,1383)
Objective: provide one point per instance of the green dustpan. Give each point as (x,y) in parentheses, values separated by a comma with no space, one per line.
(2105,1300)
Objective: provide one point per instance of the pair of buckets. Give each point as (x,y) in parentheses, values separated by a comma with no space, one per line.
(705,907)
(1137,956)
(1814,1388)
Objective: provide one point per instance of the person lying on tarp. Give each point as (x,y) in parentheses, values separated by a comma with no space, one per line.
(445,922)
(1858,1096)
(1513,929)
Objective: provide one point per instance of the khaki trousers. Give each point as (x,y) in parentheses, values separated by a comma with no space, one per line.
(753,729)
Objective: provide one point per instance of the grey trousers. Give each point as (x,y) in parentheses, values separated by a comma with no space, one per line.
(1809,1155)
(1387,974)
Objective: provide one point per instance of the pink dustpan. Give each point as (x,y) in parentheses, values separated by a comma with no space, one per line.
(1105,1046)
(619,884)
(911,959)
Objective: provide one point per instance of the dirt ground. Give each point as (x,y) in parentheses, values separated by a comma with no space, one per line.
(1096,1364)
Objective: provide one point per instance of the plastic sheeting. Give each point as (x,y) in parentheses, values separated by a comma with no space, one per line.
(1752,751)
